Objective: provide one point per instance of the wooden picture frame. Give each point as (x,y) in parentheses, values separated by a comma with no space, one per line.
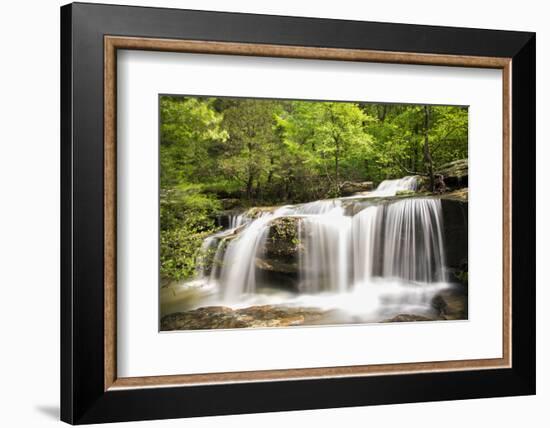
(91,390)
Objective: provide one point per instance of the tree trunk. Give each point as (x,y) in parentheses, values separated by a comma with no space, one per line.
(250,178)
(428,163)
(271,167)
(337,163)
(249,184)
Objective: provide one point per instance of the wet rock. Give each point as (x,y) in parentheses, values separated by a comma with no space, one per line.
(455,174)
(457,195)
(277,265)
(455,230)
(408,318)
(452,304)
(283,240)
(277,261)
(349,188)
(257,212)
(405,193)
(213,317)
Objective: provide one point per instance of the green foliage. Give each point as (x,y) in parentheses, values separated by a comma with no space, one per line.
(462,277)
(329,138)
(284,229)
(190,207)
(223,188)
(399,135)
(252,145)
(188,126)
(405,193)
(283,238)
(186,218)
(179,251)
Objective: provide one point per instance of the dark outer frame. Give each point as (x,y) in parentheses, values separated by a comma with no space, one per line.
(83,396)
(114,43)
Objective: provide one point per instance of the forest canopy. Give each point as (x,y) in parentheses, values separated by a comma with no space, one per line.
(220,153)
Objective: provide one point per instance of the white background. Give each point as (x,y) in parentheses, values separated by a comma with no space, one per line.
(142,351)
(29,219)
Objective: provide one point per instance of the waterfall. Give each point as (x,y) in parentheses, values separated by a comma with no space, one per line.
(391,187)
(413,241)
(237,220)
(344,244)
(315,207)
(401,239)
(238,271)
(325,263)
(365,226)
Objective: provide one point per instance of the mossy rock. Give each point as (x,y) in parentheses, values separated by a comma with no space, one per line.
(257,212)
(349,188)
(457,195)
(455,174)
(405,193)
(458,168)
(277,261)
(283,239)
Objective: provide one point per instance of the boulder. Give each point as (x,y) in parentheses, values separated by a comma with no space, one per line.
(277,260)
(349,188)
(283,240)
(455,174)
(452,304)
(256,212)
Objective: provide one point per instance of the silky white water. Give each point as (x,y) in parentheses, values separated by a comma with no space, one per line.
(364,257)
(391,187)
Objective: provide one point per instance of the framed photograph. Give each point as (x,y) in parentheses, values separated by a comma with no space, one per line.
(265,213)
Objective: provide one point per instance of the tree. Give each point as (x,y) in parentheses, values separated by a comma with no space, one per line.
(188,126)
(428,162)
(449,133)
(416,140)
(325,132)
(250,125)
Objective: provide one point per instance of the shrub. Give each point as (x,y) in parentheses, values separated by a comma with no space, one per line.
(186,218)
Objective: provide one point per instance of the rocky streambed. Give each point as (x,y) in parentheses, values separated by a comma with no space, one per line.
(211,317)
(449,304)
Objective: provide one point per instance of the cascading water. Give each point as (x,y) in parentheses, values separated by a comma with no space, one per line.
(364,235)
(238,272)
(237,220)
(391,187)
(325,264)
(413,241)
(346,247)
